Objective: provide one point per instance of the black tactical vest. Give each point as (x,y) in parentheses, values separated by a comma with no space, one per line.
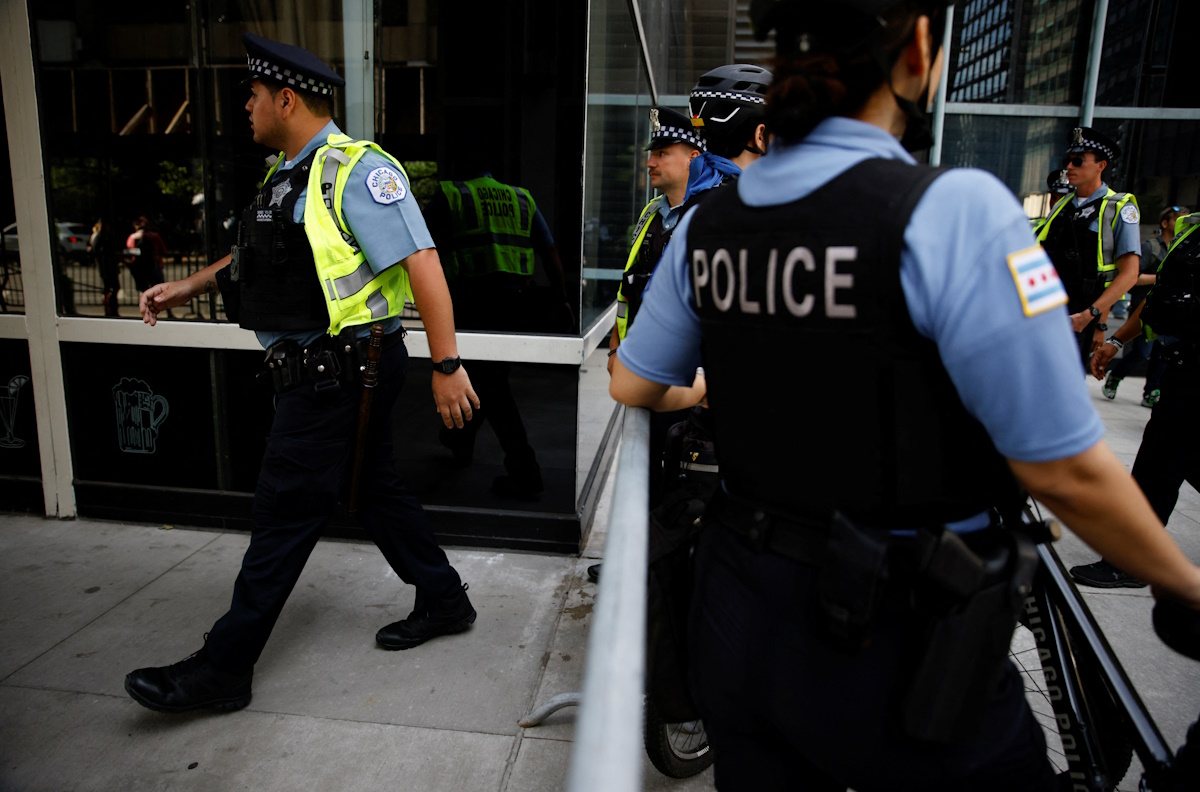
(1072,249)
(637,277)
(273,266)
(823,393)
(1173,305)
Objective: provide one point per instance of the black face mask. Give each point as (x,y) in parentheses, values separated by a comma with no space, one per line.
(918,131)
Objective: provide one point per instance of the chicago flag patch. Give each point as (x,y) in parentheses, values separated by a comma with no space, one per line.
(1037,280)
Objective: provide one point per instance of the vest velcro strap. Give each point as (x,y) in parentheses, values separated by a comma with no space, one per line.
(337,154)
(349,285)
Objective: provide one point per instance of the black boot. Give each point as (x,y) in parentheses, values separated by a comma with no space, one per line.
(449,615)
(192,683)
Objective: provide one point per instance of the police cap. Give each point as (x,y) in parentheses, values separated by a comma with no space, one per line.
(1085,139)
(294,67)
(669,126)
(1057,182)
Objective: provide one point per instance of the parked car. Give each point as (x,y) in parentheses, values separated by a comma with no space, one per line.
(72,239)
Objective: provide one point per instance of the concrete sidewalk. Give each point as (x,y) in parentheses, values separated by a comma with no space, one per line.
(84,602)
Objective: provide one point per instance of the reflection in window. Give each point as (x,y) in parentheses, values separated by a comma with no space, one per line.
(12,289)
(146,138)
(1040,50)
(1147,57)
(1160,163)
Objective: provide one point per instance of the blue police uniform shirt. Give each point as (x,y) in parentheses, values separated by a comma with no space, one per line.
(1127,237)
(386,233)
(1015,367)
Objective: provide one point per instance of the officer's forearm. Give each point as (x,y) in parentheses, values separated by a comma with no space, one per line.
(1097,498)
(205,281)
(432,297)
(1127,275)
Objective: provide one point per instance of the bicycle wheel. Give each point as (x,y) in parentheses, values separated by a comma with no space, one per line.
(677,750)
(1043,667)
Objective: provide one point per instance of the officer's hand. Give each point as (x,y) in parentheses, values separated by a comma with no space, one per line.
(1080,321)
(1101,358)
(454,397)
(162,297)
(1098,339)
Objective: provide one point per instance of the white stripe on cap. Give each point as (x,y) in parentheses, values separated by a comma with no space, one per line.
(287,76)
(744,97)
(679,133)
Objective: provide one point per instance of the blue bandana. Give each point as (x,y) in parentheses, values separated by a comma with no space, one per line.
(707,171)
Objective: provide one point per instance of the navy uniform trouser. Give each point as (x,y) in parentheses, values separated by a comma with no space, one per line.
(306,467)
(784,709)
(1170,449)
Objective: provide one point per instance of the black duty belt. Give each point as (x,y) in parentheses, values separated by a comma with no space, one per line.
(932,552)
(326,363)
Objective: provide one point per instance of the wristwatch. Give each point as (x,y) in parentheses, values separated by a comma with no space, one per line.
(448,365)
(1102,326)
(1094,311)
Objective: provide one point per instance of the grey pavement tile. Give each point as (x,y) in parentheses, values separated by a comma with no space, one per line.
(322,659)
(79,742)
(565,660)
(541,766)
(58,576)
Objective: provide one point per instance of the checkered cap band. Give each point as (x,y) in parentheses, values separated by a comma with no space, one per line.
(735,95)
(1096,145)
(680,133)
(288,76)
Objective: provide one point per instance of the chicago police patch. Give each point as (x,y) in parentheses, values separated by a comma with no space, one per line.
(386,185)
(1129,213)
(1037,280)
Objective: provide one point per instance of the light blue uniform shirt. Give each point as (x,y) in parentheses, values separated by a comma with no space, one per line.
(1127,237)
(1017,374)
(386,233)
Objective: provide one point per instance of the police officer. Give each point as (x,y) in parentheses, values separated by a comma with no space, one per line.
(728,105)
(332,244)
(490,232)
(1170,449)
(815,590)
(1092,237)
(1154,250)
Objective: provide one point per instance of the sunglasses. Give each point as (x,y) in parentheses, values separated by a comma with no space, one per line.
(1076,161)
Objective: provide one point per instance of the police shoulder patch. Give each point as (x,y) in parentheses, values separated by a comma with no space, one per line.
(386,185)
(1037,281)
(1129,213)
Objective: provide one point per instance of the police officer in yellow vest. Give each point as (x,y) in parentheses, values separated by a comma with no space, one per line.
(489,233)
(332,244)
(1092,237)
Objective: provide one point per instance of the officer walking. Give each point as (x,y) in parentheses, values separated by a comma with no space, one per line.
(1092,237)
(816,585)
(1170,449)
(332,244)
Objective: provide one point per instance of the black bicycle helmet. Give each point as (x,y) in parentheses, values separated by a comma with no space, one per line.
(727,104)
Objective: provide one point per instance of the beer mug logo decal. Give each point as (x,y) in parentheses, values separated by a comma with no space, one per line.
(139,415)
(8,411)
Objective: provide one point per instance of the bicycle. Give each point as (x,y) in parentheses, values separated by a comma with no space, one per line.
(1100,720)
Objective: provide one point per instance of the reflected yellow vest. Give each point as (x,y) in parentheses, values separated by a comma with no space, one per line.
(492,223)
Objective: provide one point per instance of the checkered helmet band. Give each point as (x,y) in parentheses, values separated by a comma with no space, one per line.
(736,96)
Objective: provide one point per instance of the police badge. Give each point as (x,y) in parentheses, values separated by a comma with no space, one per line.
(1077,136)
(279,191)
(655,124)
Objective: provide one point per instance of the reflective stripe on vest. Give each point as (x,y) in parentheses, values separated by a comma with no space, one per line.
(1106,265)
(491,232)
(354,294)
(639,234)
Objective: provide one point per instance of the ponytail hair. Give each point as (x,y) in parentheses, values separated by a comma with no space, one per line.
(810,87)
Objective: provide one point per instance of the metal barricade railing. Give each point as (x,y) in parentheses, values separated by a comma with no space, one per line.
(608,745)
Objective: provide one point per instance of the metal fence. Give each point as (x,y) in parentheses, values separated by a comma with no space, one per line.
(606,755)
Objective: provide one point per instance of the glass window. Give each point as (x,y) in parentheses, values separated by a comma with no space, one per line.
(144,129)
(1160,163)
(1147,57)
(1020,151)
(1036,41)
(615,182)
(12,289)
